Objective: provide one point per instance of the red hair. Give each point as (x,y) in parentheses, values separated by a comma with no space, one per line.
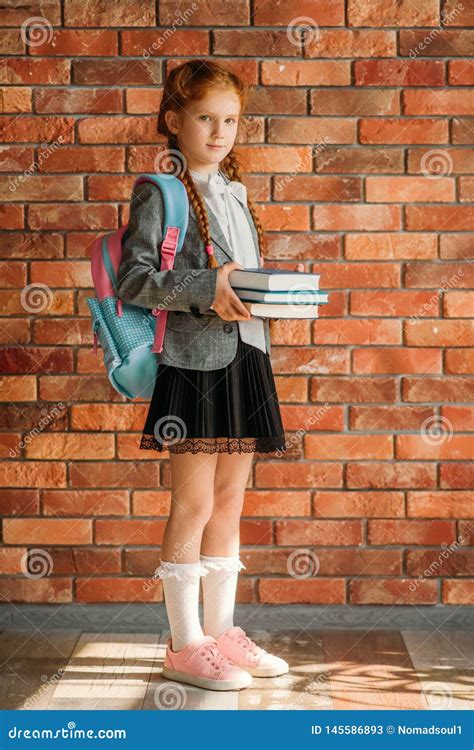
(186,83)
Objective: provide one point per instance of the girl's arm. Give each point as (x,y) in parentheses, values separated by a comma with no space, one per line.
(139,279)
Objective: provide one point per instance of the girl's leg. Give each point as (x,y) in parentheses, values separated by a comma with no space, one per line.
(220,555)
(192,494)
(221,542)
(192,487)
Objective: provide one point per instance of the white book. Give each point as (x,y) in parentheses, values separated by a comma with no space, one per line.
(264,310)
(291,297)
(273,279)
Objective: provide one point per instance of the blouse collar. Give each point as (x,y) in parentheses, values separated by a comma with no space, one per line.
(216,183)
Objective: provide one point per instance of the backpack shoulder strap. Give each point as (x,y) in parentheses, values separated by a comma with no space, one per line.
(176,205)
(175,200)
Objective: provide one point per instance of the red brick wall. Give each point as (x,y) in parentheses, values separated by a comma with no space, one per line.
(358,145)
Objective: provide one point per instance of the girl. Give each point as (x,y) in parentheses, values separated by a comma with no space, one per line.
(214,404)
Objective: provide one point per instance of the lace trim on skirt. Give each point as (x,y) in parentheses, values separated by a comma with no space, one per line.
(215,444)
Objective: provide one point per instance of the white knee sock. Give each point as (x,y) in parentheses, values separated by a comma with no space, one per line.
(181,591)
(219,589)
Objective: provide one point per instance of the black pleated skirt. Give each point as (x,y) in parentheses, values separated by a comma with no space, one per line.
(234,408)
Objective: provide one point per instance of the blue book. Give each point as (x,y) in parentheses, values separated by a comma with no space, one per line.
(293,297)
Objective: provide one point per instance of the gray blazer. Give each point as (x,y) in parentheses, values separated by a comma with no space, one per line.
(195,337)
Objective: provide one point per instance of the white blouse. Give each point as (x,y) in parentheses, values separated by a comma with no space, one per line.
(224,200)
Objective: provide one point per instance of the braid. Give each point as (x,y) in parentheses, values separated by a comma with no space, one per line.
(197,203)
(231,167)
(187,82)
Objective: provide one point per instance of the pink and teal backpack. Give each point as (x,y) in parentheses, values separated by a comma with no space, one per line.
(130,335)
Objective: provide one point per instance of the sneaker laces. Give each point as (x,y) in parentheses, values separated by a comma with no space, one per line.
(212,654)
(247,642)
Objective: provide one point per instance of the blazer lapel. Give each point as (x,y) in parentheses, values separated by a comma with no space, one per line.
(217,235)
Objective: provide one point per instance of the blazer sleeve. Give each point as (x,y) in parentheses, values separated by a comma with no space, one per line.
(139,279)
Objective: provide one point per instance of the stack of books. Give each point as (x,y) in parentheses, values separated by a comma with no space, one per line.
(275,293)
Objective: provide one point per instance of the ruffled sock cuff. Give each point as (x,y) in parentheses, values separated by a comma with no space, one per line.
(231,564)
(182,571)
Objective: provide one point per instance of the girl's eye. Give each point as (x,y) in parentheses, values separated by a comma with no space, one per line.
(229,119)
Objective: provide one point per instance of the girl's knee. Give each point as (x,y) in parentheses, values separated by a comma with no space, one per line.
(192,511)
(228,504)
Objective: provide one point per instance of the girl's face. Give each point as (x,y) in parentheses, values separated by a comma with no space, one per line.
(206,123)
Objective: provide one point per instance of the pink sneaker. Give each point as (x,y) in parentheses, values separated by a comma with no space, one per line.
(244,653)
(202,664)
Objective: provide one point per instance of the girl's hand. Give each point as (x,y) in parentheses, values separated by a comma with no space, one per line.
(227,304)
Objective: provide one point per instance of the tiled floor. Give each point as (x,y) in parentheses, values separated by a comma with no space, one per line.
(329,669)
